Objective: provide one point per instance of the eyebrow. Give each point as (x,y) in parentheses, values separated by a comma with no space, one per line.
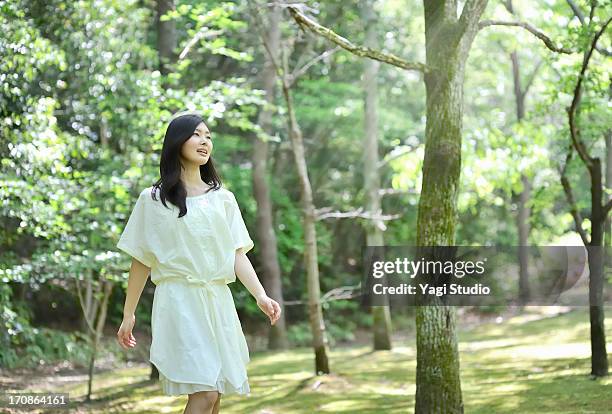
(197,130)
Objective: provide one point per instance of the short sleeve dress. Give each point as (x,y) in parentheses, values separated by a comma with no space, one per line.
(197,339)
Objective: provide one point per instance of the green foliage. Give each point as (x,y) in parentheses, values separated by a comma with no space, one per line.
(299,334)
(24,346)
(83,114)
(341,322)
(83,111)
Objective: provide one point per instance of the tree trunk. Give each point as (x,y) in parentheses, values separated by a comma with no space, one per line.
(90,371)
(97,321)
(599,355)
(166,36)
(524,211)
(608,228)
(381,317)
(272,281)
(522,220)
(317,324)
(448,41)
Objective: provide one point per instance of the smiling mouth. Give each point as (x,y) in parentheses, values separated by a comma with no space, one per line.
(203,152)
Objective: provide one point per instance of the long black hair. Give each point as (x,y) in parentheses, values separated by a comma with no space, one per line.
(170,185)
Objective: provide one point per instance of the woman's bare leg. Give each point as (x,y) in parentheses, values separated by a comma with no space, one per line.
(201,402)
(217,405)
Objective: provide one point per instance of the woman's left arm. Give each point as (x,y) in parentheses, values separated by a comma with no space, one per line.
(246,273)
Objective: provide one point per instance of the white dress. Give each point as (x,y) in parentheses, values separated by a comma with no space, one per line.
(197,339)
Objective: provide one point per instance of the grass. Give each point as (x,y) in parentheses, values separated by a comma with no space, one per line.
(517,366)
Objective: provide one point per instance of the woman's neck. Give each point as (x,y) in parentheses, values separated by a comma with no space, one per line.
(191,177)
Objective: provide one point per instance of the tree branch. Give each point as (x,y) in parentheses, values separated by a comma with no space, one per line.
(307,23)
(607,207)
(470,15)
(536,32)
(576,11)
(574,132)
(82,303)
(582,19)
(394,191)
(203,33)
(299,72)
(264,41)
(531,78)
(107,290)
(325,213)
(569,194)
(339,293)
(394,154)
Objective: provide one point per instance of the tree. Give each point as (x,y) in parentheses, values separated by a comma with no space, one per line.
(277,338)
(381,317)
(288,79)
(95,307)
(600,210)
(524,210)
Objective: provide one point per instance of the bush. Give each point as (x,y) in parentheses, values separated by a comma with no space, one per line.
(24,346)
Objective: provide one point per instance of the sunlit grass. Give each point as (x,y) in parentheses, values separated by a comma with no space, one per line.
(517,366)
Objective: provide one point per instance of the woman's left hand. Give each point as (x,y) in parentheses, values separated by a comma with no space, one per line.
(270,307)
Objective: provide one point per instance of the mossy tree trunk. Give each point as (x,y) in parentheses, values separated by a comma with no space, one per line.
(448,40)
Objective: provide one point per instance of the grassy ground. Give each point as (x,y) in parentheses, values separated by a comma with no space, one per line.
(516,366)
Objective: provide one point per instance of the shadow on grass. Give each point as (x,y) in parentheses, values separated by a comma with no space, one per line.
(535,386)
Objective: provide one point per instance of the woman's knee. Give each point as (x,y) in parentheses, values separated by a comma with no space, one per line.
(204,400)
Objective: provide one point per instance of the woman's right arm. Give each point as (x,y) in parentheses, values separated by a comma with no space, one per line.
(139,273)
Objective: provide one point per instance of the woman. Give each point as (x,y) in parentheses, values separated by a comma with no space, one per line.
(188,232)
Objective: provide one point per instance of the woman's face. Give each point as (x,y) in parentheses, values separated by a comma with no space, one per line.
(198,148)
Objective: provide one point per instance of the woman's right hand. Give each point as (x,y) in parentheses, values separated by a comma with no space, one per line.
(124,335)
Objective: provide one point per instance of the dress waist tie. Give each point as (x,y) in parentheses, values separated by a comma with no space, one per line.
(206,284)
(208,287)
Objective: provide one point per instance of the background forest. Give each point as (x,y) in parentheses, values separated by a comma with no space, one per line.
(321,143)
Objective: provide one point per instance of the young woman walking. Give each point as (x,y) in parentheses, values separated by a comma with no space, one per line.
(187,232)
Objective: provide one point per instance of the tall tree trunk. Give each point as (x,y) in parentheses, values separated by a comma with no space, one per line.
(166,36)
(447,41)
(599,355)
(315,313)
(277,338)
(374,236)
(524,211)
